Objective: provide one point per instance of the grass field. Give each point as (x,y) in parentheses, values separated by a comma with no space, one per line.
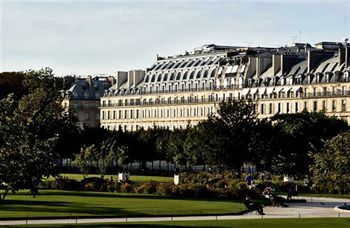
(256,223)
(115,177)
(54,203)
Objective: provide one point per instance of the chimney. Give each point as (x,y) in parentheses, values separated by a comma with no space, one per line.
(262,63)
(139,75)
(112,80)
(276,63)
(341,55)
(288,61)
(344,55)
(131,77)
(122,76)
(314,58)
(89,80)
(347,57)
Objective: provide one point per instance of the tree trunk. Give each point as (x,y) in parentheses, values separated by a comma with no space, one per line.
(2,199)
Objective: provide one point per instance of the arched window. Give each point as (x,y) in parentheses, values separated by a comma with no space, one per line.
(185,76)
(199,74)
(205,74)
(153,78)
(165,77)
(178,77)
(212,75)
(192,75)
(159,77)
(172,76)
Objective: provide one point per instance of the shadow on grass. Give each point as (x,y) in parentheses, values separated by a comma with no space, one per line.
(48,209)
(131,195)
(43,208)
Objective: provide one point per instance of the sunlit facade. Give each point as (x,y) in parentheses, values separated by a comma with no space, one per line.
(180,91)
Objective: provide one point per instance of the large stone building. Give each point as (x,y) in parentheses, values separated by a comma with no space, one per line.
(182,90)
(83,99)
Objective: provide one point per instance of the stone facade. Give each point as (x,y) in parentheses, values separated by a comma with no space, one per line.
(83,99)
(180,91)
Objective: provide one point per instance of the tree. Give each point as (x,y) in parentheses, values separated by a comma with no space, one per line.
(83,159)
(101,156)
(176,147)
(11,82)
(192,149)
(29,131)
(225,136)
(331,166)
(299,136)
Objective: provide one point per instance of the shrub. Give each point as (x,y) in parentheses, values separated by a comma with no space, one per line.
(146,188)
(126,187)
(63,183)
(113,186)
(287,186)
(260,187)
(163,189)
(48,184)
(94,184)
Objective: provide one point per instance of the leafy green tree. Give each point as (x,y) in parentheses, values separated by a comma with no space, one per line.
(331,166)
(192,149)
(122,157)
(213,142)
(263,145)
(83,160)
(162,146)
(226,135)
(106,155)
(29,131)
(176,147)
(300,135)
(11,82)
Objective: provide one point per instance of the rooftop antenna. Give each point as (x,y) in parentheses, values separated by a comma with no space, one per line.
(299,36)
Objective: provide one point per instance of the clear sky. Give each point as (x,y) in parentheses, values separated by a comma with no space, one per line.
(91,37)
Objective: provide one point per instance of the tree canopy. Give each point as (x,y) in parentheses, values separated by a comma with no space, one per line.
(331,165)
(30,126)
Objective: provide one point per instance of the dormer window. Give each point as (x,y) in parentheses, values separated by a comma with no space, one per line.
(250,82)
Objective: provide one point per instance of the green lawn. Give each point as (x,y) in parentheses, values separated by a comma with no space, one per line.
(54,203)
(132,177)
(256,223)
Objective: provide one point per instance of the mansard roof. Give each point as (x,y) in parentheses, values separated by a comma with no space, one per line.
(88,88)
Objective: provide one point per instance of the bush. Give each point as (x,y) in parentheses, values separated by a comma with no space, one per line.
(164,189)
(63,183)
(113,186)
(94,184)
(260,187)
(48,184)
(126,187)
(146,188)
